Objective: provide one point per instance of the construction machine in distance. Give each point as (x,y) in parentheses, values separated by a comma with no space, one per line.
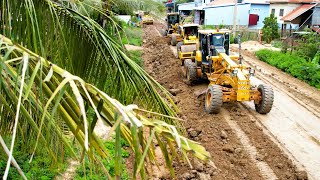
(171,30)
(229,79)
(188,40)
(147,19)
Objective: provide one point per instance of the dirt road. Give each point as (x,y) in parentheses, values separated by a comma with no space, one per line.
(295,118)
(240,141)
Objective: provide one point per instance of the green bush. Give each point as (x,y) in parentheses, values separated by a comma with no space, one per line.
(308,46)
(292,64)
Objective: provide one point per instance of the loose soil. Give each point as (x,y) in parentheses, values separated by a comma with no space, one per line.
(232,159)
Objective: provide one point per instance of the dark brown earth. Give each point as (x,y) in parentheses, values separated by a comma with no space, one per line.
(212,131)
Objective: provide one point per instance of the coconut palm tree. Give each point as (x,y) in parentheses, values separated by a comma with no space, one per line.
(52,52)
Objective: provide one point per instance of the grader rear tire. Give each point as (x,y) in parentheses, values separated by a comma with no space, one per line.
(266,102)
(213,101)
(191,71)
(173,40)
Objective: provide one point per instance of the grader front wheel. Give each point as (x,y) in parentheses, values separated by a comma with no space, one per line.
(265,105)
(213,101)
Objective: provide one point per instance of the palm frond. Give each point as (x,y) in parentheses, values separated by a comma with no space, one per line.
(79,44)
(66,90)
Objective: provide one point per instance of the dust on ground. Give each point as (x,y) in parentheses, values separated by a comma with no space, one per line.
(254,46)
(130,47)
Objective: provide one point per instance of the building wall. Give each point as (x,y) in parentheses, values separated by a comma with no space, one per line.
(224,15)
(262,10)
(316,16)
(186,6)
(287,7)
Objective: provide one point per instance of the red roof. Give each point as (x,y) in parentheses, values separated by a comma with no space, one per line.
(297,12)
(294,1)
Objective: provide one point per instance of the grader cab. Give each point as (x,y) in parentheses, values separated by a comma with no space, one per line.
(229,78)
(187,44)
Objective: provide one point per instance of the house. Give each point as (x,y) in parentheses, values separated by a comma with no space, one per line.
(250,13)
(295,14)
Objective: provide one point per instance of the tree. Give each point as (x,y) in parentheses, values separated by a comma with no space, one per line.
(270,28)
(39,98)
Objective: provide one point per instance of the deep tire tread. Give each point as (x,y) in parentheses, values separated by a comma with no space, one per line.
(191,71)
(266,102)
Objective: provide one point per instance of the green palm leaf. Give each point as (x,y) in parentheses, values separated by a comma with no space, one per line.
(130,121)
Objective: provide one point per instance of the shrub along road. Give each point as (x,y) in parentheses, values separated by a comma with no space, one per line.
(240,147)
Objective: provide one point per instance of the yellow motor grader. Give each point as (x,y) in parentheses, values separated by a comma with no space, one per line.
(147,19)
(171,30)
(187,44)
(229,78)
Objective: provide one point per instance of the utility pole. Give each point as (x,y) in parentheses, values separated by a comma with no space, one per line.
(235,18)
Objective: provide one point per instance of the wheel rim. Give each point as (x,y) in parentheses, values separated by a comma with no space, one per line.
(208,99)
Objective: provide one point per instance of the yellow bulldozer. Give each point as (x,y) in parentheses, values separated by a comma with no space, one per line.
(188,39)
(229,78)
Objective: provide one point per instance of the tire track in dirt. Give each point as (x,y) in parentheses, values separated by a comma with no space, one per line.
(266,171)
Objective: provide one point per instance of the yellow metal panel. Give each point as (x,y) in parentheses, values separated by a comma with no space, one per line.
(198,56)
(243,91)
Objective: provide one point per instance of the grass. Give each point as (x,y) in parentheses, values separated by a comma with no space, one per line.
(42,167)
(132,35)
(90,170)
(135,55)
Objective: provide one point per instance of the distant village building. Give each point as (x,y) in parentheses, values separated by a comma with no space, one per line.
(250,13)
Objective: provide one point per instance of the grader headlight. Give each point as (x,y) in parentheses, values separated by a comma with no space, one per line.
(251,72)
(234,72)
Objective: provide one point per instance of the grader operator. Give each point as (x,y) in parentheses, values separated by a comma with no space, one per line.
(229,79)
